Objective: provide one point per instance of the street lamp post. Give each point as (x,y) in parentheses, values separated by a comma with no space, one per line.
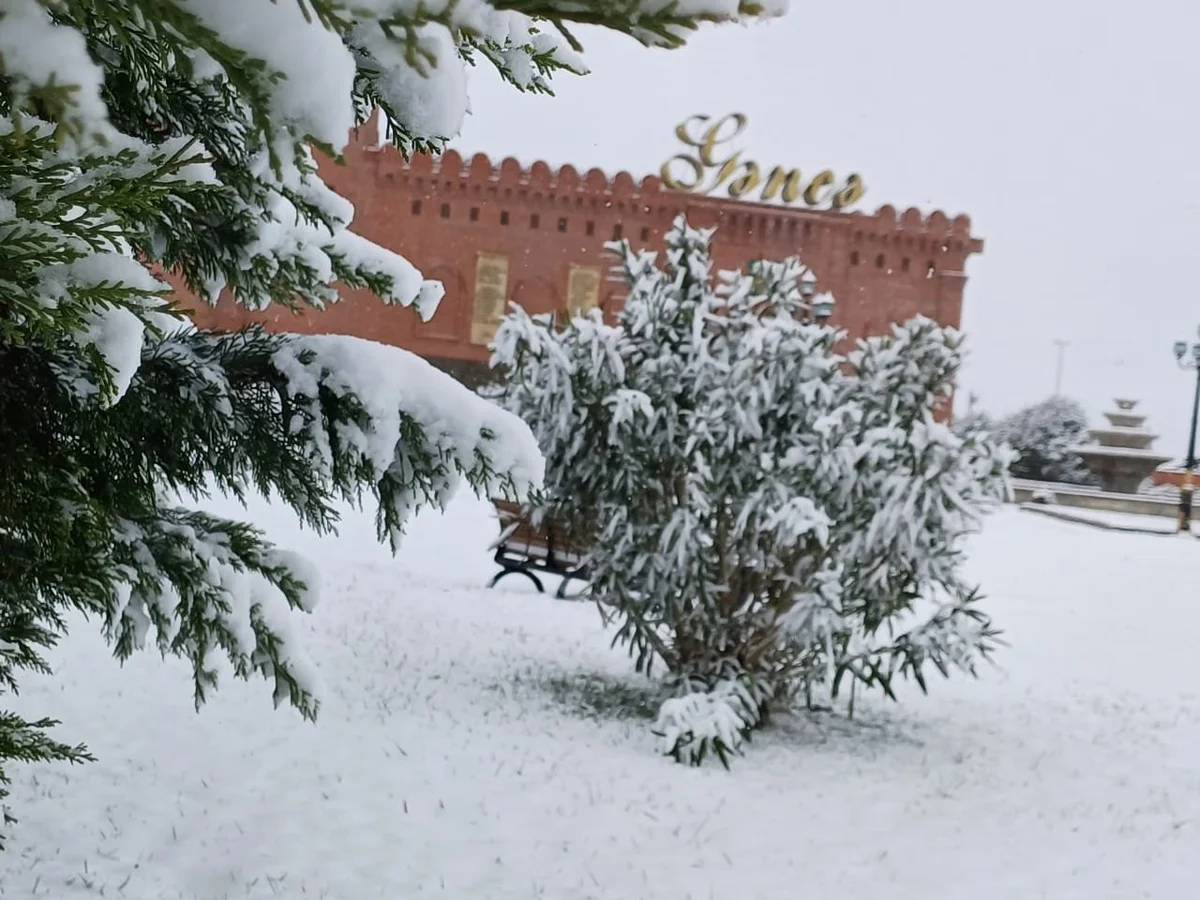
(1058,369)
(1189,363)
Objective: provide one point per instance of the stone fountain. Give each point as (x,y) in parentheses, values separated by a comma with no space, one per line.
(1120,455)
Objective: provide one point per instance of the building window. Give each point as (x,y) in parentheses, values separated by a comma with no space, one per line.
(590,228)
(445,210)
(504,217)
(474,213)
(617,232)
(854,258)
(879,261)
(905,264)
(562,225)
(535,220)
(416,207)
(645,234)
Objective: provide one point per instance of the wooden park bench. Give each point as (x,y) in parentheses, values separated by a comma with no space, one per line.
(526,550)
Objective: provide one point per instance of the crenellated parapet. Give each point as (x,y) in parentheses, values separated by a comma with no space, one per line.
(565,188)
(537,185)
(914,228)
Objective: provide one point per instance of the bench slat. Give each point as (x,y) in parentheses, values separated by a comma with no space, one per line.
(519,536)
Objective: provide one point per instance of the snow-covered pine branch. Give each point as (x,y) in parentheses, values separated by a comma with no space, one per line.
(179,135)
(769,520)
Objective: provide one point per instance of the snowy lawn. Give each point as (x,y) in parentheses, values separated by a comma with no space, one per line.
(488,745)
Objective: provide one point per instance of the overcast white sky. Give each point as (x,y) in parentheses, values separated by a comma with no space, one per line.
(1068,130)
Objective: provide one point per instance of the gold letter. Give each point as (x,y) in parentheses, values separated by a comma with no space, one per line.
(712,137)
(706,145)
(822,180)
(851,193)
(681,131)
(788,179)
(697,167)
(674,183)
(747,183)
(725,172)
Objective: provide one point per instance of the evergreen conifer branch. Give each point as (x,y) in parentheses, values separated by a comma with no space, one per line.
(141,137)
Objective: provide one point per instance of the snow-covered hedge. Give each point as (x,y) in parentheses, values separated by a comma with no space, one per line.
(1043,436)
(771,520)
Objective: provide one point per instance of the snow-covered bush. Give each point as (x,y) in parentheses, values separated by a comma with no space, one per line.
(770,521)
(177,135)
(1043,436)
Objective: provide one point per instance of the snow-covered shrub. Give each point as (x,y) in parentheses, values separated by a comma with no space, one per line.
(1043,436)
(770,521)
(177,135)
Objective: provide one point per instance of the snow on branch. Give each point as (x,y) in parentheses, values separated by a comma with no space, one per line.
(206,585)
(401,424)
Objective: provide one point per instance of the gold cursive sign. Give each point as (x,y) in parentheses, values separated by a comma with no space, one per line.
(687,172)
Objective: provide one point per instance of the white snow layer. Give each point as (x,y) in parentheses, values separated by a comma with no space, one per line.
(431,101)
(392,383)
(467,747)
(318,70)
(34,51)
(116,332)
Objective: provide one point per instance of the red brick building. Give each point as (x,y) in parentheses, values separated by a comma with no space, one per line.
(1169,474)
(493,234)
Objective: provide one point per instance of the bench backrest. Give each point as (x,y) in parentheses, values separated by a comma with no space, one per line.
(520,531)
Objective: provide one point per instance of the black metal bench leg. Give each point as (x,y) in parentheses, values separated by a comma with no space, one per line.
(561,593)
(512,570)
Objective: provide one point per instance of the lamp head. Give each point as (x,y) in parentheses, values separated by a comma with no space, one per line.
(1180,349)
(822,307)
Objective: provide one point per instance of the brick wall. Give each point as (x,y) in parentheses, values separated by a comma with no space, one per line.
(1172,475)
(547,228)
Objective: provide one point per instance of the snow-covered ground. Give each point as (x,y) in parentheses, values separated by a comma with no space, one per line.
(472,746)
